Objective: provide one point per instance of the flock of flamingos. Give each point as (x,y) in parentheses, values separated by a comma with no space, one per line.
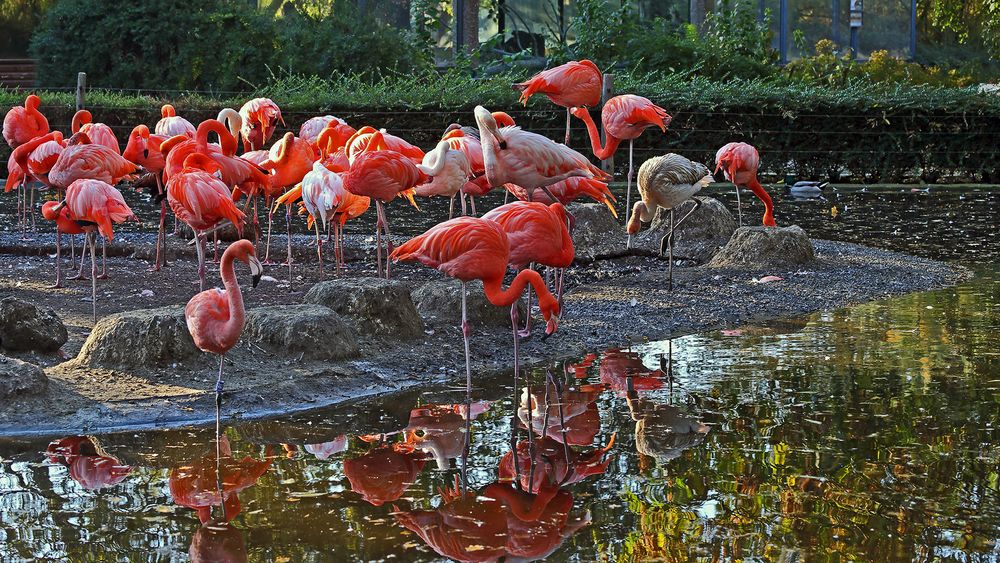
(336,171)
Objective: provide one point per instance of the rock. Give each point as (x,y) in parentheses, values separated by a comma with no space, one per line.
(313,332)
(765,246)
(140,338)
(442,300)
(698,238)
(376,306)
(25,326)
(596,232)
(20,378)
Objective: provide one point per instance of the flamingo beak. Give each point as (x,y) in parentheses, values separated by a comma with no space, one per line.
(256,271)
(550,326)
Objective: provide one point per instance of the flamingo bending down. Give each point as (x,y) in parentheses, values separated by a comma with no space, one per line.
(289,160)
(95,205)
(512,155)
(382,175)
(739,161)
(568,191)
(143,149)
(537,234)
(171,124)
(200,199)
(366,136)
(99,133)
(215,317)
(83,160)
(260,117)
(322,193)
(447,171)
(468,248)
(667,181)
(623,117)
(23,123)
(574,84)
(64,224)
(311,129)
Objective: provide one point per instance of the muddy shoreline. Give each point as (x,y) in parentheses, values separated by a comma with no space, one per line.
(609,303)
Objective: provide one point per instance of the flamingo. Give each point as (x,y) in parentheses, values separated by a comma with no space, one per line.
(468,248)
(333,139)
(382,175)
(216,481)
(215,317)
(143,149)
(447,171)
(95,204)
(574,84)
(739,161)
(260,116)
(88,462)
(667,181)
(64,224)
(322,193)
(200,199)
(33,160)
(623,117)
(23,123)
(384,473)
(82,159)
(99,133)
(311,129)
(365,136)
(568,191)
(512,155)
(171,124)
(289,160)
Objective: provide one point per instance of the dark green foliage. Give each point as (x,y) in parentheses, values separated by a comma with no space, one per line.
(208,45)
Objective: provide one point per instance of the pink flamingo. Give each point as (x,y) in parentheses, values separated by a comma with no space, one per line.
(382,175)
(311,129)
(289,160)
(322,193)
(260,117)
(468,248)
(623,117)
(740,162)
(23,123)
(95,204)
(64,224)
(143,149)
(576,83)
(202,200)
(367,134)
(568,191)
(215,317)
(99,133)
(34,160)
(171,124)
(447,171)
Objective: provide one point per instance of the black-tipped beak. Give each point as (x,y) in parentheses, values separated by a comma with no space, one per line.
(503,145)
(255,279)
(545,336)
(145,153)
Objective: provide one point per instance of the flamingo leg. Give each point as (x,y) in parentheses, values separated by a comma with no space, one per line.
(628,192)
(200,247)
(104,259)
(739,207)
(668,240)
(319,250)
(72,250)
(83,260)
(288,240)
(466,332)
(461,196)
(560,277)
(215,236)
(514,322)
(526,331)
(93,274)
(451,206)
(472,204)
(58,283)
(566,141)
(378,238)
(218,437)
(256,223)
(31,208)
(270,222)
(388,240)
(161,235)
(338,256)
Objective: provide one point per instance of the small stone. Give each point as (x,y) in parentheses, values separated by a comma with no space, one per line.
(313,332)
(20,378)
(765,246)
(443,300)
(25,326)
(375,305)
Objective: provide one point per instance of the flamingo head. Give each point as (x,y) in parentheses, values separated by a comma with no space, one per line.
(51,210)
(488,127)
(550,311)
(503,119)
(244,251)
(79,138)
(167,110)
(80,119)
(579,112)
(450,128)
(231,119)
(32,102)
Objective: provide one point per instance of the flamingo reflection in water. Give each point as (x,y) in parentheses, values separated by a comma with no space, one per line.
(496,522)
(440,430)
(88,463)
(572,419)
(218,542)
(552,464)
(384,473)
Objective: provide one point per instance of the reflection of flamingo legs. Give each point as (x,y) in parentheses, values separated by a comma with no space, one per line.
(218,439)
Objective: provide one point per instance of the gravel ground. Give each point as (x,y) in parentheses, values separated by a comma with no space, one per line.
(608,303)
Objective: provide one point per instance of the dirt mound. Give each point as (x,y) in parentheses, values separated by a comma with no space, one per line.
(25,326)
(765,246)
(441,301)
(140,338)
(20,378)
(375,305)
(698,238)
(311,332)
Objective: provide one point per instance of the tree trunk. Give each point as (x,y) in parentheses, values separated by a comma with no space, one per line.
(469,17)
(697,12)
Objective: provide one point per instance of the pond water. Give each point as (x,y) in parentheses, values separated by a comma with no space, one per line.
(868,433)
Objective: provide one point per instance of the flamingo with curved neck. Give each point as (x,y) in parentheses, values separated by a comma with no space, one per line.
(215,318)
(23,123)
(740,161)
(99,133)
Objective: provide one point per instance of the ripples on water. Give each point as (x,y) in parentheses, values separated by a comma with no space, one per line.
(864,433)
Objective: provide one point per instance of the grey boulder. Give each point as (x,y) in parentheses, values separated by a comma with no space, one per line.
(442,301)
(20,378)
(140,338)
(765,246)
(312,332)
(698,238)
(376,306)
(25,326)
(596,232)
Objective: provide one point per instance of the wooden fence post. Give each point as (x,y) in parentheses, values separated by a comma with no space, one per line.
(607,91)
(81,89)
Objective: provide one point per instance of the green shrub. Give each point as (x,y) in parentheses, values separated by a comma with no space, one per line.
(826,68)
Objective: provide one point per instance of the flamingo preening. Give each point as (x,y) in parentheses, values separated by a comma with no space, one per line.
(322,193)
(574,84)
(99,133)
(740,161)
(623,117)
(260,117)
(23,123)
(468,248)
(447,171)
(667,181)
(171,124)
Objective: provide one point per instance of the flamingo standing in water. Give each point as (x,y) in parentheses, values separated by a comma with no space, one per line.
(739,161)
(143,149)
(574,84)
(623,117)
(468,248)
(667,181)
(171,124)
(447,171)
(537,234)
(260,117)
(95,205)
(23,123)
(99,133)
(215,318)
(382,175)
(202,200)
(512,155)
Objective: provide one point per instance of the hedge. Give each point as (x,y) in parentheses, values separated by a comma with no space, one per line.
(878,133)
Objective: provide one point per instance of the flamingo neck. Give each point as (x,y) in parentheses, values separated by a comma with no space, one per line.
(505,297)
(762,194)
(237,313)
(605,152)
